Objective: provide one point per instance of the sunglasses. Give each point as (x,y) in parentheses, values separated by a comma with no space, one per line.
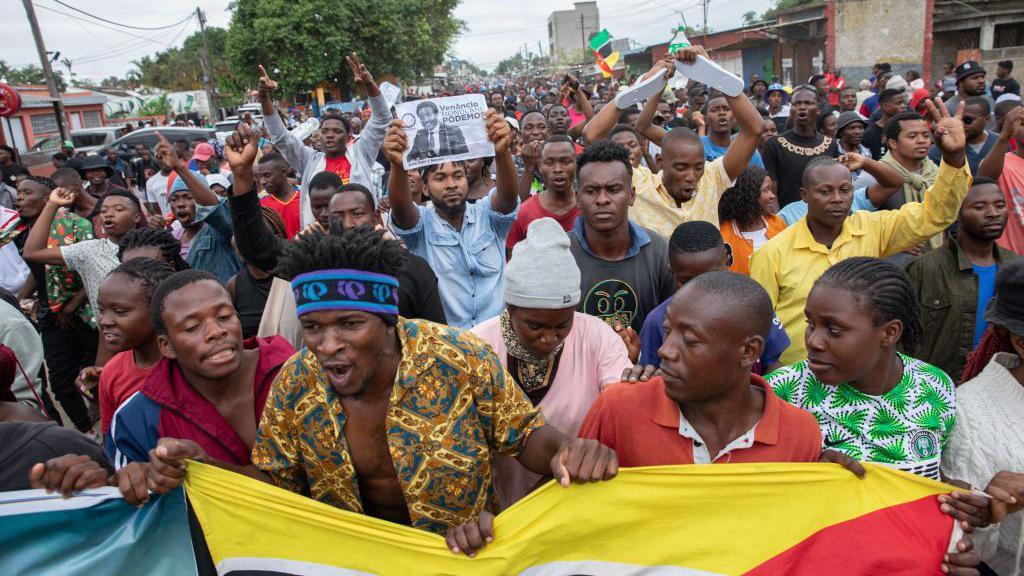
(971,119)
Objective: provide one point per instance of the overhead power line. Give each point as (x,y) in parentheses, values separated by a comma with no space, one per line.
(48,9)
(101,19)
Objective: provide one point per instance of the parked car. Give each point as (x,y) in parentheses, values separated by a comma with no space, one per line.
(49,144)
(255,108)
(92,140)
(148,138)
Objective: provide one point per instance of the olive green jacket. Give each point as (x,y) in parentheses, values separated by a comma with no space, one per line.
(947,292)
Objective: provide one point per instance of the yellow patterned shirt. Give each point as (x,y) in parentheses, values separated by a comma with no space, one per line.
(654,207)
(452,405)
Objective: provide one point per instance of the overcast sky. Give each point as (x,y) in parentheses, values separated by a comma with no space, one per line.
(495,29)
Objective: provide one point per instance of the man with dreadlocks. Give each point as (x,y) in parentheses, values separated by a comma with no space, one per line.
(408,404)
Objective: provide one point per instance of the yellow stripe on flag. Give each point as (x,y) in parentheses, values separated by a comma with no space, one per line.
(720,519)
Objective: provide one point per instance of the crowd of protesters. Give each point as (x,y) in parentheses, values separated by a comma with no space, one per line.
(793,274)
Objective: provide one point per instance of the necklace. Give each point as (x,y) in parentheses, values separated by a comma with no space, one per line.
(533,374)
(804,150)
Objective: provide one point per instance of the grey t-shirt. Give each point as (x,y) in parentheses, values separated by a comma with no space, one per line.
(25,444)
(624,290)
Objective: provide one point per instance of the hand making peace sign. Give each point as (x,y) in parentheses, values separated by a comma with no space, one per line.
(362,75)
(948,132)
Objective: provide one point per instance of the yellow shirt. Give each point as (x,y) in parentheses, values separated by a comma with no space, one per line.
(654,207)
(788,264)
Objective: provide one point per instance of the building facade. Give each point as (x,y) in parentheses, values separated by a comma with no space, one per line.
(569,31)
(36,121)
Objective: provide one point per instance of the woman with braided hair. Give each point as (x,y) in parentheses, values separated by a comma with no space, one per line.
(872,400)
(156,243)
(988,440)
(127,331)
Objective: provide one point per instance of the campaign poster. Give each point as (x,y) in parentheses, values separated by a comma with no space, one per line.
(445,130)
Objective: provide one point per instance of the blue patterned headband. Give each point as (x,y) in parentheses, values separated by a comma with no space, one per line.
(346,290)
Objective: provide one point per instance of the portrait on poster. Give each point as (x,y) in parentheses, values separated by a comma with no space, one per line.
(445,129)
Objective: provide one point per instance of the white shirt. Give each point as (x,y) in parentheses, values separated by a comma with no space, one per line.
(988,437)
(435,143)
(156,191)
(758,237)
(701,455)
(13,270)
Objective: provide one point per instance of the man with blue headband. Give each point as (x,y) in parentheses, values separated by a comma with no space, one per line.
(391,417)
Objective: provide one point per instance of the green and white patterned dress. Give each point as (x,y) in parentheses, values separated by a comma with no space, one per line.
(906,427)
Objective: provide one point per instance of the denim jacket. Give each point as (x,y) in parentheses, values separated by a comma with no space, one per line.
(211,248)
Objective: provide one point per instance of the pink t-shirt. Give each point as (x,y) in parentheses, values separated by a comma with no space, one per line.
(574,116)
(120,378)
(593,357)
(1011,181)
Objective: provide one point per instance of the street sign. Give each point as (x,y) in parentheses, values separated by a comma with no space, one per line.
(10,101)
(787,62)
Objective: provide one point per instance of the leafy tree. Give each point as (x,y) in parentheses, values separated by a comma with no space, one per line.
(782,5)
(178,69)
(30,74)
(305,43)
(750,17)
(156,107)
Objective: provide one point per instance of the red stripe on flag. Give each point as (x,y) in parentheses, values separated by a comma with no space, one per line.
(909,538)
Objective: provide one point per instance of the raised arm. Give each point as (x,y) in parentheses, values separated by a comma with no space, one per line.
(915,222)
(294,151)
(531,157)
(992,165)
(373,133)
(404,212)
(253,238)
(169,155)
(506,198)
(741,150)
(584,102)
(645,123)
(601,124)
(887,180)
(585,107)
(35,249)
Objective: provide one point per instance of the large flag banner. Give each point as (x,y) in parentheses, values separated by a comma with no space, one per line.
(96,532)
(606,58)
(757,519)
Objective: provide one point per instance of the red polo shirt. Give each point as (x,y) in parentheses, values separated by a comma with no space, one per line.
(641,424)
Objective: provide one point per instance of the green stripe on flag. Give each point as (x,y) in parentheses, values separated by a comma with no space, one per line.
(599,40)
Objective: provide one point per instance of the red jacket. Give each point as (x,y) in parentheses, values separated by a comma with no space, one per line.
(167,406)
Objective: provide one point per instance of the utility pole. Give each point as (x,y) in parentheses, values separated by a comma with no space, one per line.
(706,26)
(51,82)
(211,95)
(583,38)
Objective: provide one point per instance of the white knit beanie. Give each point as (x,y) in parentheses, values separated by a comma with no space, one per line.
(542,272)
